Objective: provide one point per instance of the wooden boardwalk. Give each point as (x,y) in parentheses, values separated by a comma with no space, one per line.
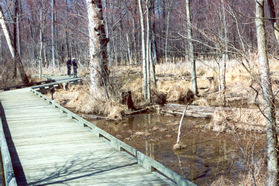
(49,147)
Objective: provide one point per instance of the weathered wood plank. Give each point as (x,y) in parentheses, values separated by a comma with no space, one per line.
(49,148)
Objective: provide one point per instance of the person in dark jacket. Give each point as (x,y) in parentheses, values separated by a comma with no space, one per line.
(75,66)
(69,65)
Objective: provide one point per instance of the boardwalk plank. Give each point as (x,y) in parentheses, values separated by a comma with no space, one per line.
(49,148)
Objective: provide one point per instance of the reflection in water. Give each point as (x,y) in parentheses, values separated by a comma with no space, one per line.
(149,149)
(206,156)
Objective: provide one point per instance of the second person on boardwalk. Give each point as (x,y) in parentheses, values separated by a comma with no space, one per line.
(69,65)
(75,66)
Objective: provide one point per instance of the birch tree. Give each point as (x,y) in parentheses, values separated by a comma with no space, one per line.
(42,38)
(148,50)
(16,32)
(18,25)
(191,49)
(167,30)
(143,50)
(272,167)
(99,73)
(152,43)
(12,48)
(224,55)
(52,35)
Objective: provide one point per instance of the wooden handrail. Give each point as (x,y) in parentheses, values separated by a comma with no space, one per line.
(8,171)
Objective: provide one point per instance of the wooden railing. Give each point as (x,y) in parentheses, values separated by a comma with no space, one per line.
(8,172)
(145,161)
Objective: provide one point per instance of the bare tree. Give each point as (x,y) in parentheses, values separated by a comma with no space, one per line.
(167,29)
(67,32)
(99,73)
(16,32)
(268,96)
(191,49)
(12,49)
(225,54)
(42,38)
(273,19)
(53,34)
(143,50)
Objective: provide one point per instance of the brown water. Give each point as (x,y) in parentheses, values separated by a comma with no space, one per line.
(206,155)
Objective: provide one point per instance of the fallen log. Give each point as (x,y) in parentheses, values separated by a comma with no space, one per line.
(192,110)
(223,119)
(128,113)
(200,111)
(90,116)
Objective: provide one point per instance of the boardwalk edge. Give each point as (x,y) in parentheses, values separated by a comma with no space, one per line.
(143,160)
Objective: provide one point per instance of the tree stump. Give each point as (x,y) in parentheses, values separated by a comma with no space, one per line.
(188,97)
(160,98)
(52,91)
(126,99)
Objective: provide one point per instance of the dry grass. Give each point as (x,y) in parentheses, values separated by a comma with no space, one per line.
(258,177)
(173,68)
(135,87)
(237,118)
(78,99)
(174,90)
(176,87)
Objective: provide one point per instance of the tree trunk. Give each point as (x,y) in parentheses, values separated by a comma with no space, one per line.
(67,33)
(148,50)
(167,34)
(13,52)
(16,14)
(19,27)
(129,50)
(99,73)
(134,38)
(107,34)
(273,19)
(191,49)
(153,31)
(143,51)
(268,96)
(224,56)
(52,35)
(153,44)
(41,51)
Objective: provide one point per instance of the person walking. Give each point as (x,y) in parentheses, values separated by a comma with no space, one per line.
(75,66)
(69,65)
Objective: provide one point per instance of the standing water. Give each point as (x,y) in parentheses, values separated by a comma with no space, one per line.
(206,156)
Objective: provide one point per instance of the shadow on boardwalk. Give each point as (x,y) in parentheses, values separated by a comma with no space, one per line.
(19,173)
(90,165)
(77,168)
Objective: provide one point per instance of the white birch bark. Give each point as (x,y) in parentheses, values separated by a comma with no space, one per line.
(6,33)
(53,35)
(13,52)
(225,53)
(191,49)
(129,50)
(167,35)
(143,50)
(272,162)
(148,51)
(99,73)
